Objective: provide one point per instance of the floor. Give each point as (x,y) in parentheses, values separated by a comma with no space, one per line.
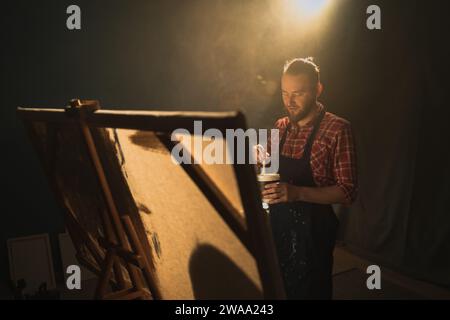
(350,277)
(349,274)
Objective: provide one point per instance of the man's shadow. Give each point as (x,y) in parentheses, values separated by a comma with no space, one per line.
(215,276)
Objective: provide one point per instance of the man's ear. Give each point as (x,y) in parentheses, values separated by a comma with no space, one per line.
(319,89)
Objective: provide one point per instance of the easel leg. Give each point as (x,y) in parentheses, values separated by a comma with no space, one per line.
(105,276)
(118,274)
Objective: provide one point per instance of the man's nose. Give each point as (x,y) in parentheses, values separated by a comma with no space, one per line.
(291,100)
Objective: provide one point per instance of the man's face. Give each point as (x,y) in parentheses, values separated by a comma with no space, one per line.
(299,95)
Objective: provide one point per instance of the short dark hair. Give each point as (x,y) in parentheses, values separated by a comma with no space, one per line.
(303,66)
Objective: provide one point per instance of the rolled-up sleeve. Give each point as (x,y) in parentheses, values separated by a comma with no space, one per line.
(344,163)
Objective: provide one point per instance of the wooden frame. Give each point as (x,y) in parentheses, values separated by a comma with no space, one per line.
(49,261)
(254,232)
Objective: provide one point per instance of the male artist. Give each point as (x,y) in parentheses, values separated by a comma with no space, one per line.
(317,168)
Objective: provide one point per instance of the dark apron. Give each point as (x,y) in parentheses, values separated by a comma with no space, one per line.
(304,232)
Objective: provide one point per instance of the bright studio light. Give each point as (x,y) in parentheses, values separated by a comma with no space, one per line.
(306,8)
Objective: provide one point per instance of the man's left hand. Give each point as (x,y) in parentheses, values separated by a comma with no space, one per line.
(280,192)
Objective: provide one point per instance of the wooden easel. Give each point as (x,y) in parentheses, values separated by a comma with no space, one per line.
(121,257)
(120,242)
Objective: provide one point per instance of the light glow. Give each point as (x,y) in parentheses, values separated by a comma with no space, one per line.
(306,9)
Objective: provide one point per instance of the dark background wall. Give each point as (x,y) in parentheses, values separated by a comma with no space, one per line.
(226,55)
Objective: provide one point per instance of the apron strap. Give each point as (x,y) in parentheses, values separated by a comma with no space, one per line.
(309,143)
(310,140)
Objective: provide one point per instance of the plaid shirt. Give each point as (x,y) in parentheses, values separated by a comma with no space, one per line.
(333,158)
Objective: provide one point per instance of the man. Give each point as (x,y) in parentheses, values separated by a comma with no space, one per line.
(317,168)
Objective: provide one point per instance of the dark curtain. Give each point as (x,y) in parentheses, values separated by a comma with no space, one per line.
(398,109)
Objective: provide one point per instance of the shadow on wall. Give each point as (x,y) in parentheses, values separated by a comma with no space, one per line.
(215,276)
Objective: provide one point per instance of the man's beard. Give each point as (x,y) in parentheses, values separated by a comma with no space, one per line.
(294,118)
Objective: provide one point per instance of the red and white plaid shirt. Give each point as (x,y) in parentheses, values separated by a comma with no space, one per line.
(333,158)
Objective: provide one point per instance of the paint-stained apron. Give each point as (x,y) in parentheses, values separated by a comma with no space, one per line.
(304,232)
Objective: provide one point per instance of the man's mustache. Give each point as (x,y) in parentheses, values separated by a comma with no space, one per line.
(300,115)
